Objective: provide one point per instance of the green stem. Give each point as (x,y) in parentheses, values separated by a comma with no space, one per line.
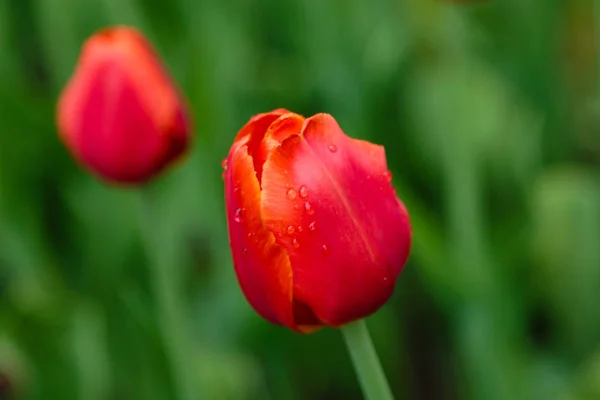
(164,283)
(366,363)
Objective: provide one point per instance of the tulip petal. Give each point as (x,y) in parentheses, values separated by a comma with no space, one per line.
(262,266)
(121,140)
(253,132)
(267,131)
(259,123)
(126,46)
(278,131)
(330,199)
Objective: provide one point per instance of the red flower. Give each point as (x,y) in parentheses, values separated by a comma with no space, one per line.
(317,233)
(120,115)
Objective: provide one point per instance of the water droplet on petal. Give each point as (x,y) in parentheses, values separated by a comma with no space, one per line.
(245,251)
(236,189)
(303,191)
(279,234)
(312,226)
(291,229)
(296,206)
(324,249)
(368,177)
(291,194)
(385,278)
(309,209)
(250,234)
(332,148)
(239,217)
(300,229)
(295,243)
(388,176)
(224,164)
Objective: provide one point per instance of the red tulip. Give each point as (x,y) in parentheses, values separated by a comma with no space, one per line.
(120,115)
(317,233)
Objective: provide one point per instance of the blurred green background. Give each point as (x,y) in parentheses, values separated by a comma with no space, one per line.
(490,115)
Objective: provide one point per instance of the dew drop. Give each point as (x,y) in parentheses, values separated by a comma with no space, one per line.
(303,191)
(291,229)
(299,229)
(368,177)
(279,234)
(245,251)
(324,249)
(291,194)
(224,165)
(308,208)
(250,234)
(332,148)
(385,278)
(388,176)
(296,206)
(236,189)
(295,243)
(312,226)
(239,215)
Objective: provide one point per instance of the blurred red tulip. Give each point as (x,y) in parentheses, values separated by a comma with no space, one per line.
(120,115)
(317,233)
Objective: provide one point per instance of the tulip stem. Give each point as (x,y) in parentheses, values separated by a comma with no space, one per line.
(169,315)
(366,363)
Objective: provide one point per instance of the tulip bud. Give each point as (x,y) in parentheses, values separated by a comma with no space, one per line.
(317,233)
(120,115)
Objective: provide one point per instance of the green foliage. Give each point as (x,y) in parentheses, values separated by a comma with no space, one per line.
(489,115)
